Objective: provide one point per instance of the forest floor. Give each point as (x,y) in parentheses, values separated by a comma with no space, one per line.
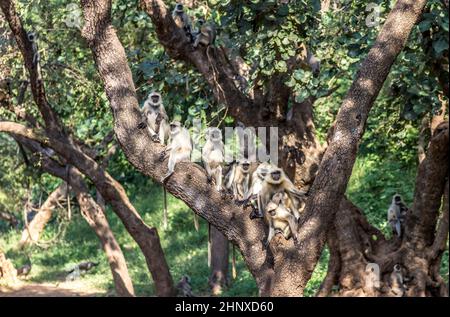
(66,289)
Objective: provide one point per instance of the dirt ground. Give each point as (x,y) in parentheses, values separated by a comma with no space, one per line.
(66,289)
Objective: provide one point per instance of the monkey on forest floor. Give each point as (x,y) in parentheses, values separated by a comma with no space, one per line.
(279,218)
(396,214)
(213,156)
(84,267)
(75,272)
(156,118)
(184,287)
(24,270)
(277,182)
(183,21)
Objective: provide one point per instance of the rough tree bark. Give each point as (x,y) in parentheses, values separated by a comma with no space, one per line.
(7,271)
(35,227)
(219,261)
(146,237)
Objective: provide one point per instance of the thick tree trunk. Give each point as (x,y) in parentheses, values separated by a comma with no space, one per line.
(219,261)
(35,227)
(96,218)
(7,270)
(362,247)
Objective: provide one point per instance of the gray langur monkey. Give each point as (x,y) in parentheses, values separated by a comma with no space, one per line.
(183,21)
(179,148)
(276,181)
(32,38)
(257,179)
(279,218)
(184,287)
(397,282)
(213,156)
(239,179)
(396,214)
(206,36)
(156,118)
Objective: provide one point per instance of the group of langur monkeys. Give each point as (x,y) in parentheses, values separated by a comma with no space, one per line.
(264,186)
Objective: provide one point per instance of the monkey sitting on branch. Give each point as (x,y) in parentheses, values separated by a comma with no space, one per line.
(213,156)
(178,150)
(276,181)
(279,218)
(183,21)
(206,34)
(156,118)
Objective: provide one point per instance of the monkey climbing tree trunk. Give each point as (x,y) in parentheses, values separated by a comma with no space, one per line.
(219,249)
(32,232)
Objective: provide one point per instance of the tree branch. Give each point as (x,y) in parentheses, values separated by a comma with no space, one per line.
(430,183)
(211,62)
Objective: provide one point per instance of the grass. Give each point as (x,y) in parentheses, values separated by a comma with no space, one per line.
(371,187)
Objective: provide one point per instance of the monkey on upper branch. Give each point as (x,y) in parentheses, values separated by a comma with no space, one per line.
(206,35)
(32,38)
(183,21)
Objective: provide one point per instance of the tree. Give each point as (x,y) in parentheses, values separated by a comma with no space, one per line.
(76,154)
(284,268)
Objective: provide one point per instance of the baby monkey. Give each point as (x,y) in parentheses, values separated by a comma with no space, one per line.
(279,218)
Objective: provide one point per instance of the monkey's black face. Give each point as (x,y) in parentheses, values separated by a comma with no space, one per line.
(155,99)
(245,166)
(276,175)
(397,198)
(179,7)
(215,134)
(174,127)
(31,37)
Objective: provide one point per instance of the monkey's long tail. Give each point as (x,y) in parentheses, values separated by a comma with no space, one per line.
(233,264)
(165,213)
(196,225)
(209,245)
